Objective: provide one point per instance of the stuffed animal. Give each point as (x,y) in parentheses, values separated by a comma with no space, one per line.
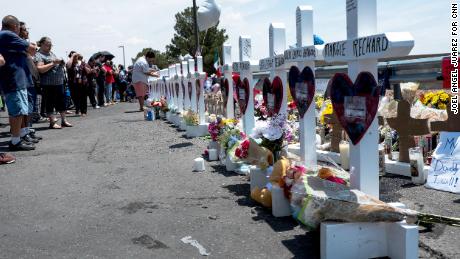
(264,196)
(327,174)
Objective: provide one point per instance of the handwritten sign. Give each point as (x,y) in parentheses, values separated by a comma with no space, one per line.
(241,66)
(302,54)
(271,63)
(449,145)
(374,46)
(444,175)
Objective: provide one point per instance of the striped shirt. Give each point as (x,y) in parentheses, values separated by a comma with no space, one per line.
(54,76)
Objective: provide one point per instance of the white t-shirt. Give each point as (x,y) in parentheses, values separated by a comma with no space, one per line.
(140,68)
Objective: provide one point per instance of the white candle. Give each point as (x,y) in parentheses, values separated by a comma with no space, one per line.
(212,154)
(344,147)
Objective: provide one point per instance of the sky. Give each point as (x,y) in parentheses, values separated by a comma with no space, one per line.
(88,26)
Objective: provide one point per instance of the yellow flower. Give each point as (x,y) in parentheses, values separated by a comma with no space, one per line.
(444,97)
(435,100)
(442,106)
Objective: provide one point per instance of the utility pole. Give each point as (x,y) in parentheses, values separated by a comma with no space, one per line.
(197,41)
(124,61)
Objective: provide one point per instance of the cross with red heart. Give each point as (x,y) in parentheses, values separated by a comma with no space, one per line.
(177,90)
(242,88)
(355,104)
(302,87)
(273,95)
(190,90)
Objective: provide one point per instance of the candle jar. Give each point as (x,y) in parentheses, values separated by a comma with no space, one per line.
(344,148)
(416,165)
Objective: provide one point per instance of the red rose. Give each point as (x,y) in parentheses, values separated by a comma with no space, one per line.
(238,152)
(245,144)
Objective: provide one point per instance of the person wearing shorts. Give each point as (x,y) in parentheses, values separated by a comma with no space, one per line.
(15,78)
(52,80)
(141,73)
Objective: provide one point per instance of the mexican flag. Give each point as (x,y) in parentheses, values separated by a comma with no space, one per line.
(217,63)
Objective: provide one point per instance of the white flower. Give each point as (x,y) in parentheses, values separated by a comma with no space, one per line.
(273,133)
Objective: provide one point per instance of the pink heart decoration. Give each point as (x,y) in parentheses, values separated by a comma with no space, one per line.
(355,104)
(302,87)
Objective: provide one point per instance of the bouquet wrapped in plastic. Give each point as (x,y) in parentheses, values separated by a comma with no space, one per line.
(251,153)
(326,200)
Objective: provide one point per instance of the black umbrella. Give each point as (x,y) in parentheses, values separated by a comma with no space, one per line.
(107,55)
(95,56)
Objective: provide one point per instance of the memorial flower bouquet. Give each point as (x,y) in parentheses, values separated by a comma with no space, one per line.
(273,132)
(323,200)
(260,111)
(191,118)
(164,104)
(214,128)
(326,109)
(437,100)
(319,100)
(230,134)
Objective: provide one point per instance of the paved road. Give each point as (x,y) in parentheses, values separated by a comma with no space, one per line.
(115,186)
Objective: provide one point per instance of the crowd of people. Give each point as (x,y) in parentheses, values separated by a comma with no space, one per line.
(36,85)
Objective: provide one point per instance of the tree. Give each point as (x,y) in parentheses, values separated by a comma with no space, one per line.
(162,59)
(183,42)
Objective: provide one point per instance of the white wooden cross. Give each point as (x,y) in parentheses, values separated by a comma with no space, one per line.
(170,82)
(178,81)
(184,85)
(192,81)
(200,75)
(227,71)
(362,50)
(275,62)
(305,55)
(244,69)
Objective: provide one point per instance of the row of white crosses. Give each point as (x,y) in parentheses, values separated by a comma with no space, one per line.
(180,77)
(361,22)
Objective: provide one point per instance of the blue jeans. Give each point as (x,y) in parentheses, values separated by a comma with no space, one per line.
(108,93)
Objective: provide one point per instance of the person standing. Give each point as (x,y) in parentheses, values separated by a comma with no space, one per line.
(5,158)
(32,89)
(15,77)
(141,73)
(52,81)
(122,82)
(100,80)
(109,81)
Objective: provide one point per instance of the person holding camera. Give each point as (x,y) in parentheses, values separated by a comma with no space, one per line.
(51,71)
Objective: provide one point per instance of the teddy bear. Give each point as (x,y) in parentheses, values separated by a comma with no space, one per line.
(264,196)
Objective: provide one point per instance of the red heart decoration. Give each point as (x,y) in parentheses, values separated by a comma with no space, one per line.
(224,90)
(177,90)
(198,90)
(190,90)
(302,87)
(242,88)
(273,95)
(355,104)
(183,89)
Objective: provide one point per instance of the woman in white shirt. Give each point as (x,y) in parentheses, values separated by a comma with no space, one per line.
(141,73)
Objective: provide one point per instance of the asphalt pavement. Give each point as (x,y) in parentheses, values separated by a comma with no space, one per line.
(116,186)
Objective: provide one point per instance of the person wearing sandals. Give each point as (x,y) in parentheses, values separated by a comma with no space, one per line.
(52,81)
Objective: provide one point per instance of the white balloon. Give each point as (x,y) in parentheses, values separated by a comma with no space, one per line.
(208,14)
